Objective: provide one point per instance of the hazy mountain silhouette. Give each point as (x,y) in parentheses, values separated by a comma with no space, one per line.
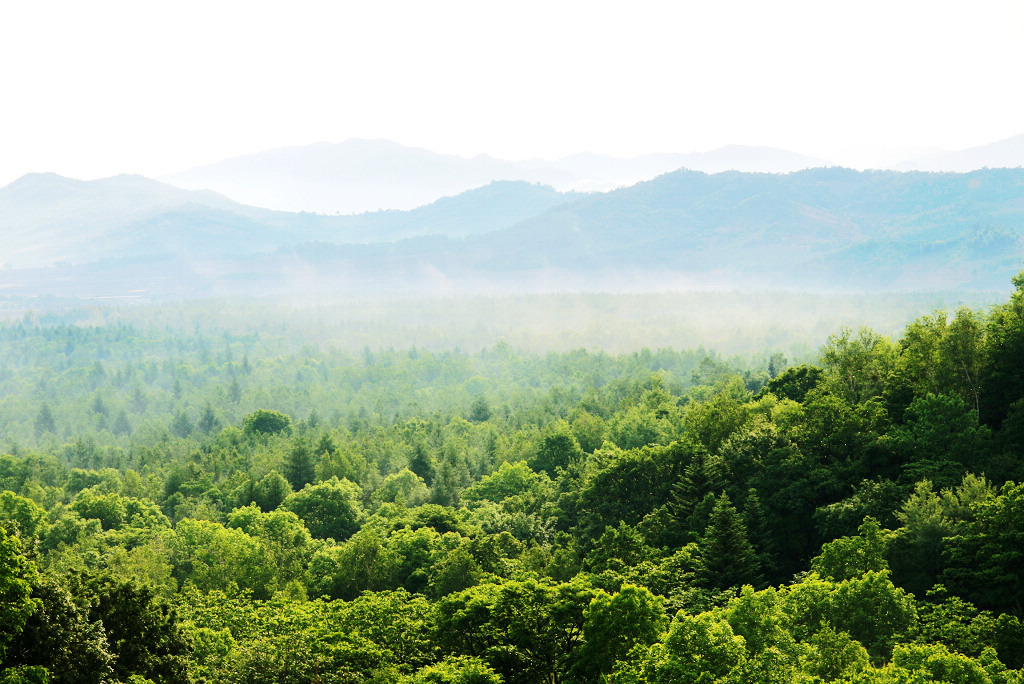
(1006,154)
(368,175)
(825,228)
(46,218)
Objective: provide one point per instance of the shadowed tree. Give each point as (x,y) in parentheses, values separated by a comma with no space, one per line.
(727,559)
(298,468)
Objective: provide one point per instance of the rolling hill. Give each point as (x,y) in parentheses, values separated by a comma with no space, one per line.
(817,229)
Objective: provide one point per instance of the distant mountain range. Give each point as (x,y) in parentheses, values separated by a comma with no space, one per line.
(47,219)
(369,175)
(821,229)
(1003,154)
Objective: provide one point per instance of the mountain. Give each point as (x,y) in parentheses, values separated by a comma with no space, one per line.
(354,176)
(369,175)
(47,219)
(802,229)
(817,229)
(1007,154)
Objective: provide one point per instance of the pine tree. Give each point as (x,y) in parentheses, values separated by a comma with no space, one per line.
(325,445)
(45,421)
(234,391)
(298,468)
(727,558)
(755,518)
(480,410)
(121,425)
(421,463)
(705,474)
(208,421)
(181,426)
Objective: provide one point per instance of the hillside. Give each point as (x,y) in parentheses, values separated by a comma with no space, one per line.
(47,219)
(818,229)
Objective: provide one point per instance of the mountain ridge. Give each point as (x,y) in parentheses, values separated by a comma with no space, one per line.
(813,229)
(365,175)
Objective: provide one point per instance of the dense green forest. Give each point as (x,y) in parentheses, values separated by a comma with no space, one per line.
(236,506)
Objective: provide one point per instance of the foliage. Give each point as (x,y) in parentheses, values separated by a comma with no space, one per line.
(507,516)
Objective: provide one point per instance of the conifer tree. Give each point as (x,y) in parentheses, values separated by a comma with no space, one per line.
(121,425)
(727,558)
(755,518)
(298,468)
(208,421)
(421,463)
(705,474)
(45,421)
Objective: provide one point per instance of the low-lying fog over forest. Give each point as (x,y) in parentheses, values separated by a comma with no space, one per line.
(494,343)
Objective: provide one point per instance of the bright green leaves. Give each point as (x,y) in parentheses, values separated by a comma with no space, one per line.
(16,603)
(329,509)
(698,648)
(986,555)
(850,557)
(214,557)
(266,422)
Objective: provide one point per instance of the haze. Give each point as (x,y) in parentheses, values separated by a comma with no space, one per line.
(97,89)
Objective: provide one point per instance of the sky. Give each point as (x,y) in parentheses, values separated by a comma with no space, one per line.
(93,89)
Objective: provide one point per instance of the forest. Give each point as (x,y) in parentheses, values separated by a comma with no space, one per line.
(242,506)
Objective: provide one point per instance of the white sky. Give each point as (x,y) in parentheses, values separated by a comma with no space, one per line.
(90,89)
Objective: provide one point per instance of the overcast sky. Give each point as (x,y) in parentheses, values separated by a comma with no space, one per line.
(91,89)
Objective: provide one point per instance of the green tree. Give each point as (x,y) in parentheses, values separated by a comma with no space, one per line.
(986,555)
(615,625)
(45,422)
(271,491)
(404,487)
(421,462)
(22,516)
(109,509)
(558,448)
(363,563)
(726,557)
(794,383)
(181,426)
(329,509)
(588,429)
(298,467)
(698,648)
(61,637)
(216,557)
(915,550)
(17,574)
(458,570)
(480,410)
(869,608)
(283,534)
(121,425)
(851,557)
(856,366)
(940,440)
(266,422)
(141,631)
(510,479)
(528,630)
(935,663)
(1002,376)
(457,670)
(208,422)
